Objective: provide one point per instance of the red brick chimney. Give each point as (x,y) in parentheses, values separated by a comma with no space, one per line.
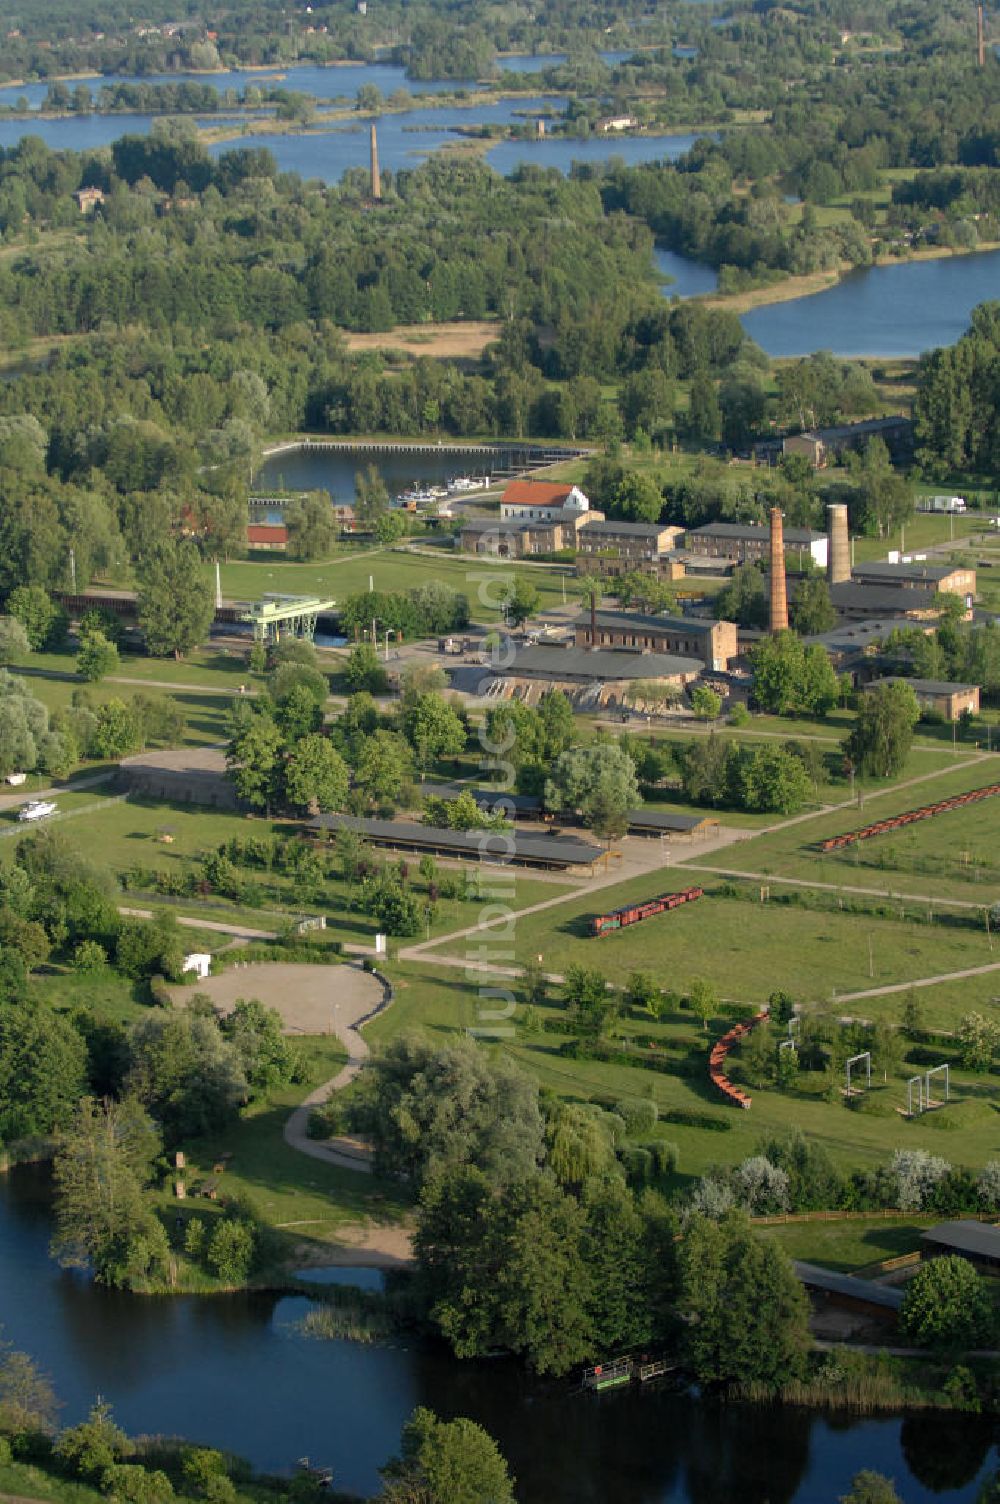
(779,592)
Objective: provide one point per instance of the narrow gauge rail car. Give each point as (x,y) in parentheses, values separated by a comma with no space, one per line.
(604,924)
(910,817)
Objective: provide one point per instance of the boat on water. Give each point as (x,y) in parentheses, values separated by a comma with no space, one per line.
(460,483)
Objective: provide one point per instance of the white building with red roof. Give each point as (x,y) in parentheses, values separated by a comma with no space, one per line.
(544,501)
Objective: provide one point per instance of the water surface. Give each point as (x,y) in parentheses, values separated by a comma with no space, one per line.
(236,1372)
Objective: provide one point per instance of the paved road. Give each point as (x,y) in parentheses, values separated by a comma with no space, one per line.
(14,801)
(240,931)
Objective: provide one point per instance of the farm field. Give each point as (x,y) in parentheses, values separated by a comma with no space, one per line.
(440,1002)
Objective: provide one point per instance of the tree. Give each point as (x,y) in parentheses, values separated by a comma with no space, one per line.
(637,498)
(978,1038)
(316,776)
(520,601)
(597,782)
(43,621)
(312,525)
(95,1445)
(27,1400)
(264,1052)
(703,1000)
(14,644)
(580,1145)
(811,609)
(446,1462)
(97,657)
(585,991)
(364,670)
(947,1305)
(433,729)
(382,767)
(186,1072)
(101,1166)
(744,599)
(231,1250)
(747,1313)
(705,703)
(871,1488)
(116,732)
(880,740)
(429,1108)
(253,759)
(791,679)
(371,495)
(43,1063)
(175,606)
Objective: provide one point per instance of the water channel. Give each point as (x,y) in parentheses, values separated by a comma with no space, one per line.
(236,1371)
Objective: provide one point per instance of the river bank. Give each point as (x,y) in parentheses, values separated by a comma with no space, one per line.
(791,289)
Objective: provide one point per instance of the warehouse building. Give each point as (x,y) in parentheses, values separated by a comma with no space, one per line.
(591,681)
(713,642)
(749,542)
(917,574)
(938,695)
(549,852)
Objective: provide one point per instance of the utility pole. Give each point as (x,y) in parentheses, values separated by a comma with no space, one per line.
(72,569)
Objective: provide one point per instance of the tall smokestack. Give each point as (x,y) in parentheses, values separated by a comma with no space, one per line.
(376,175)
(779,592)
(980,37)
(838,544)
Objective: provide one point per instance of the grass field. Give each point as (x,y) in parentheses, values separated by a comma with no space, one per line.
(849,1245)
(441,1002)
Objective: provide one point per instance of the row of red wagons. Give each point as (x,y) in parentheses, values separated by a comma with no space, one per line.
(925,812)
(717,1058)
(604,924)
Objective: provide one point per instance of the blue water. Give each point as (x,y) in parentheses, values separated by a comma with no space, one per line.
(75,133)
(337,81)
(356,1275)
(563,151)
(236,1372)
(690,278)
(885,310)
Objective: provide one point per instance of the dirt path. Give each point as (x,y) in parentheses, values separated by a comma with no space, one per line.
(808,882)
(944,976)
(240,931)
(14,801)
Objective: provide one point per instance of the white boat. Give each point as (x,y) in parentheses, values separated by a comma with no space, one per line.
(467,483)
(36,809)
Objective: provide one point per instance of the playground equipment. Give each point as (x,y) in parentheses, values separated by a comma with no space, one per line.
(925,1098)
(855,1091)
(717,1058)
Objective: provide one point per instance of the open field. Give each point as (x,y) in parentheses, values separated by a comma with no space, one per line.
(395,569)
(219,668)
(849,1245)
(457,340)
(892,861)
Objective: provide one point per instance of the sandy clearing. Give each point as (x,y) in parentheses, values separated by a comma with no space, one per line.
(466,340)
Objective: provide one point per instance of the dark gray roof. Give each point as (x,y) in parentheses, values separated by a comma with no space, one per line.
(638,620)
(924,686)
(855,430)
(502,525)
(662,819)
(817,1278)
(855,634)
(883,570)
(484,845)
(626,529)
(875,597)
(601,663)
(528,804)
(750,530)
(976,1238)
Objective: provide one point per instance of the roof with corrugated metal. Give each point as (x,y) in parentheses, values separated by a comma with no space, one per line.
(484,844)
(977,1238)
(834,1283)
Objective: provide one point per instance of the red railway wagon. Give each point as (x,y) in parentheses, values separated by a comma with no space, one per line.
(604,924)
(909,817)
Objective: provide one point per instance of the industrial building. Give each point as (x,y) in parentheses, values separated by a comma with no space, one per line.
(616,547)
(858,600)
(713,642)
(939,695)
(646,822)
(604,679)
(917,574)
(508,539)
(749,542)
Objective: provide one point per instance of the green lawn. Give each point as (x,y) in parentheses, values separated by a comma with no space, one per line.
(207,667)
(849,1245)
(304,1200)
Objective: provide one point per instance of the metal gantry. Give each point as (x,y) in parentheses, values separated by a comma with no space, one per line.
(277,616)
(936,1070)
(866,1056)
(917,1081)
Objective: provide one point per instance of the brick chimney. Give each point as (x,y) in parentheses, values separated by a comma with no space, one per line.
(779,592)
(838,545)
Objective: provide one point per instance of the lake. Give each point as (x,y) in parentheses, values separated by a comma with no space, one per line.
(691,279)
(236,1372)
(563,151)
(898,310)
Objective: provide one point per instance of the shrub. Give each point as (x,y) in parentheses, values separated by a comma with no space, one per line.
(132,1483)
(231,1250)
(666,1156)
(89,956)
(639,1116)
(691,1118)
(638,1164)
(946,1305)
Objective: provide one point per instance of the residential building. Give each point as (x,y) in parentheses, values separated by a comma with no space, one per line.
(87,199)
(820,444)
(633,543)
(713,642)
(748,542)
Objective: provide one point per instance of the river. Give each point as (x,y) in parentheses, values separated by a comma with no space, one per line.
(334,470)
(235,1371)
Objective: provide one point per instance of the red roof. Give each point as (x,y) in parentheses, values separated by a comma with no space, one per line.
(537,493)
(267,532)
